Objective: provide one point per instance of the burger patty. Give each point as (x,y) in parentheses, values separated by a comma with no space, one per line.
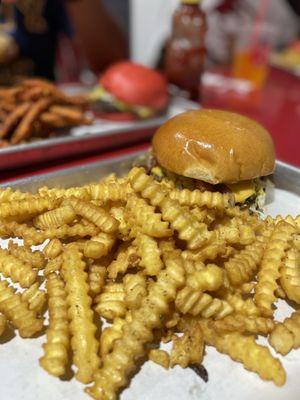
(103,101)
(208,187)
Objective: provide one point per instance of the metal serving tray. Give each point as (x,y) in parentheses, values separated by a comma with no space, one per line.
(101,135)
(22,378)
(286,176)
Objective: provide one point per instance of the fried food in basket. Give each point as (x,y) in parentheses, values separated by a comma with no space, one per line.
(129,264)
(37,108)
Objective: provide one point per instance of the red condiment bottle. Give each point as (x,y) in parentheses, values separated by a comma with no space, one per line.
(185,50)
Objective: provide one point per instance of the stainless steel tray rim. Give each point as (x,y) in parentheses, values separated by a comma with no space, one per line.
(286,176)
(65,139)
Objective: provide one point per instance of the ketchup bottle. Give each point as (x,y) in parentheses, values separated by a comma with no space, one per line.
(185,50)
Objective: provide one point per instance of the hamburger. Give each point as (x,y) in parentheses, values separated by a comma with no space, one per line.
(214,150)
(131,89)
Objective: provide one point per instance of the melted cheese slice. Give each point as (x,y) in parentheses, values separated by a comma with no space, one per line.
(242,190)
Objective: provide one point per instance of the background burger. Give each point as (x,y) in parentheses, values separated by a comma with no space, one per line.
(215,150)
(131,89)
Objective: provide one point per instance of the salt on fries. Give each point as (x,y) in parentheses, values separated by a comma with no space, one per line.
(36,108)
(155,264)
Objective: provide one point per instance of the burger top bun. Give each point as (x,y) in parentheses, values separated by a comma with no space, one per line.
(214,146)
(136,84)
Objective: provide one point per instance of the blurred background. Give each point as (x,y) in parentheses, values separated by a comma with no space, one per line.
(240,55)
(66,39)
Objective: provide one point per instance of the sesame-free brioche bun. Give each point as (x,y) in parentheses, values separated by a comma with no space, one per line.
(136,84)
(214,146)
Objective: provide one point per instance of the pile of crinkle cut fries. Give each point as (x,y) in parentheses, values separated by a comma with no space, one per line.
(158,265)
(36,109)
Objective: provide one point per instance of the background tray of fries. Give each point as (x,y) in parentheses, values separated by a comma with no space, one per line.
(39,122)
(22,377)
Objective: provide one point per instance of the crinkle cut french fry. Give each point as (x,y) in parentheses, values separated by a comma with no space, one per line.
(108,191)
(77,230)
(135,288)
(187,226)
(296,242)
(192,267)
(2,324)
(233,231)
(99,245)
(188,349)
(279,242)
(63,215)
(107,239)
(208,216)
(23,231)
(32,236)
(126,258)
(7,195)
(17,311)
(194,302)
(35,298)
(236,232)
(172,319)
(32,206)
(244,324)
(150,254)
(286,335)
(244,214)
(56,348)
(110,335)
(291,220)
(94,214)
(160,357)
(209,251)
(11,267)
(181,219)
(53,265)
(245,307)
(140,213)
(243,266)
(122,361)
(124,228)
(92,249)
(167,247)
(82,327)
(97,277)
(200,199)
(78,192)
(110,304)
(34,258)
(244,349)
(53,249)
(290,275)
(209,279)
